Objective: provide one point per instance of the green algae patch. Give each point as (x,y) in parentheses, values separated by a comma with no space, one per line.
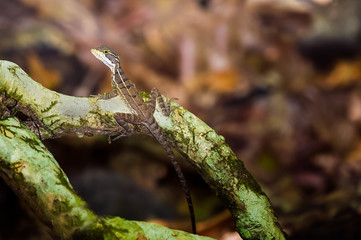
(109,229)
(52,104)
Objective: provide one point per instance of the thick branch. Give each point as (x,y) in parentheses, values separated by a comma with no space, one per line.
(207,151)
(32,172)
(58,113)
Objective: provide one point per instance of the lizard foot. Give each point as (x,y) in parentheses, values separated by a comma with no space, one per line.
(104,96)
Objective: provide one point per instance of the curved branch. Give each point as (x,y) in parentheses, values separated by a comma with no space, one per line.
(34,175)
(207,151)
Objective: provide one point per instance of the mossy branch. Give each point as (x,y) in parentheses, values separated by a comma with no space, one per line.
(207,152)
(34,175)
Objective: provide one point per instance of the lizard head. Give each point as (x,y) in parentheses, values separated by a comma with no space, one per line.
(107,56)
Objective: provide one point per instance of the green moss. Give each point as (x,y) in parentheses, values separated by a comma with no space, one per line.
(13,69)
(124,229)
(5,129)
(33,143)
(14,94)
(62,125)
(52,104)
(50,122)
(64,181)
(53,122)
(64,209)
(51,116)
(243,176)
(104,117)
(96,113)
(144,95)
(14,168)
(93,233)
(60,206)
(82,122)
(8,166)
(108,118)
(17,168)
(112,228)
(77,220)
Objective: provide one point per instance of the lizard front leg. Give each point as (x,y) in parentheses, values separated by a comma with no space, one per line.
(128,118)
(124,120)
(107,96)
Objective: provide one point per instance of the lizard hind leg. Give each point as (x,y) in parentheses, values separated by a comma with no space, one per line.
(163,104)
(125,130)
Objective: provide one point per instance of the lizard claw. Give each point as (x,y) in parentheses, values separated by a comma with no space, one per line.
(169,102)
(174,108)
(104,96)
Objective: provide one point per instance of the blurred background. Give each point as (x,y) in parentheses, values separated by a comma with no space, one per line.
(279,79)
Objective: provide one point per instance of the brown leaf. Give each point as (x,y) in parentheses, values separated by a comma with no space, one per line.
(343,74)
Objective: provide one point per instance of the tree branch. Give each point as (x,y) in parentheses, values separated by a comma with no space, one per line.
(207,151)
(35,176)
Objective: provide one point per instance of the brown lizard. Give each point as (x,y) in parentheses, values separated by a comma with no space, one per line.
(142,113)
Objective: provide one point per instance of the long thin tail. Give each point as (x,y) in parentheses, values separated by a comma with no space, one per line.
(164,142)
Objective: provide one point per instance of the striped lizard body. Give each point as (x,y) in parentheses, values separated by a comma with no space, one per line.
(142,113)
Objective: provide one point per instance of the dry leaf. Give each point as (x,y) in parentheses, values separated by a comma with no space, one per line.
(343,74)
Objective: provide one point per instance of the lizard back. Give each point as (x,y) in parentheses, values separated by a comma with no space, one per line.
(125,88)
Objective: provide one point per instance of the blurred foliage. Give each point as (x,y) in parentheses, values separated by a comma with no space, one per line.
(279,79)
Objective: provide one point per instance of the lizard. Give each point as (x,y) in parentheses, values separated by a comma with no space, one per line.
(142,113)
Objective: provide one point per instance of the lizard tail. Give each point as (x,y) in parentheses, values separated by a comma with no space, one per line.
(167,147)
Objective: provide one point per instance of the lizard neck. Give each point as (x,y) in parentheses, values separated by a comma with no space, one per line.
(127,90)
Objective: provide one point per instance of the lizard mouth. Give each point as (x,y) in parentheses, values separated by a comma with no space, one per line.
(101,56)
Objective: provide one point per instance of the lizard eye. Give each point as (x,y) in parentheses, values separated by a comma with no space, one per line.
(105,51)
